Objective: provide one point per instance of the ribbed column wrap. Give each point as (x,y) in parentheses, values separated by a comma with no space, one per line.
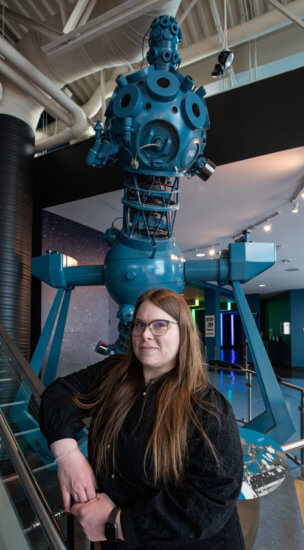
(16,153)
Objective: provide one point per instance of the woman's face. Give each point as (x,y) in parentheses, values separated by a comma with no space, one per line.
(157,354)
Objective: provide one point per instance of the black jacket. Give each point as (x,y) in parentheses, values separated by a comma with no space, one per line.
(155,516)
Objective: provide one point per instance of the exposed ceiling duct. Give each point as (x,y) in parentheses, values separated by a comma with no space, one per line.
(110,50)
(66,47)
(249,30)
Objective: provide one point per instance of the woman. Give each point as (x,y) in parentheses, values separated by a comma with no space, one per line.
(165,461)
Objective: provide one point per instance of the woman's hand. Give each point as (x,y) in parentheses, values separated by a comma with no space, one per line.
(75,474)
(93,515)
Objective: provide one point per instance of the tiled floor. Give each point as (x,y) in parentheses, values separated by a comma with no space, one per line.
(281,526)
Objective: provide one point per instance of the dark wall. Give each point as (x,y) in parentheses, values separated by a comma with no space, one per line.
(275,311)
(257,119)
(297,327)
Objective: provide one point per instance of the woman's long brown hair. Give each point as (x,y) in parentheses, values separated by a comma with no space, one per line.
(182,388)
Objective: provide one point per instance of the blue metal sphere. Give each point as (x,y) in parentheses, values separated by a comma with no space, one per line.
(129,271)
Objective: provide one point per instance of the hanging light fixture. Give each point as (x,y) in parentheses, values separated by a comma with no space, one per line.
(295,207)
(226,56)
(294,199)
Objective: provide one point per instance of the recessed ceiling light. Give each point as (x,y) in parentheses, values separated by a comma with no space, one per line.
(267,226)
(262,285)
(200,254)
(292,269)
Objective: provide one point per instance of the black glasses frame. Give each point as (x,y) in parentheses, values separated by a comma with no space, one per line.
(150,325)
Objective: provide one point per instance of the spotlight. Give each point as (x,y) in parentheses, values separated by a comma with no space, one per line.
(267,226)
(295,207)
(302,195)
(225,60)
(212,251)
(218,71)
(102,347)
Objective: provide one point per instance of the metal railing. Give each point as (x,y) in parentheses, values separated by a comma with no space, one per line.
(296,445)
(22,367)
(47,521)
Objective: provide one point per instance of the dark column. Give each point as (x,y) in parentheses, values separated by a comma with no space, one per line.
(16,153)
(212,307)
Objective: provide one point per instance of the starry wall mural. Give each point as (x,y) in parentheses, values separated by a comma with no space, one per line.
(92,312)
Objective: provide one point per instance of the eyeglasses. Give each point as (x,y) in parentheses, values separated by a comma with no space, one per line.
(157,328)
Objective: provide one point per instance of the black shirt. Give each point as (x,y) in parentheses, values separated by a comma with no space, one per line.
(153,516)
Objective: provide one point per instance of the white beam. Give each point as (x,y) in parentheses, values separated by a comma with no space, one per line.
(62,12)
(286,12)
(186,12)
(254,28)
(87,13)
(75,16)
(127,11)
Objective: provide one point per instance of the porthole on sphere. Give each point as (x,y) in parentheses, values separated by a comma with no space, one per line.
(163,82)
(148,106)
(125,100)
(196,110)
(174,109)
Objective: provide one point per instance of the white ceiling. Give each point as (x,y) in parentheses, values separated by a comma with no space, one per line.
(262,38)
(237,196)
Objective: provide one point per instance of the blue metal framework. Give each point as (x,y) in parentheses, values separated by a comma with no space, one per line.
(156,124)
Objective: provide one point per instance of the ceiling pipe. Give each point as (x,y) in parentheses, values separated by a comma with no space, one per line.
(35,92)
(251,29)
(24,66)
(90,108)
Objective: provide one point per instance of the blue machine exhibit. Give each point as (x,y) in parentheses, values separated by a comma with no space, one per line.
(155,128)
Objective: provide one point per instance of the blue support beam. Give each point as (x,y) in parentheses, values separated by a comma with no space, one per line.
(51,367)
(276,420)
(39,353)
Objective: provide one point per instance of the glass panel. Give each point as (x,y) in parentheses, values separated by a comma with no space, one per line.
(17,517)
(21,412)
